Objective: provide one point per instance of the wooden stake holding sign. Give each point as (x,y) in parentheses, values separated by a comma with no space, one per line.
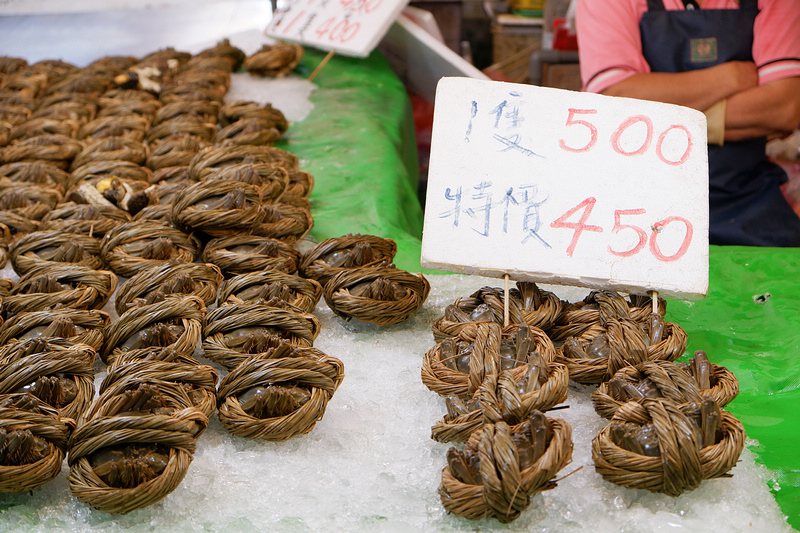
(569,188)
(321,65)
(347,27)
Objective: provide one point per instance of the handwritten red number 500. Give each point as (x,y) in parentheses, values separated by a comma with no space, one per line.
(615,137)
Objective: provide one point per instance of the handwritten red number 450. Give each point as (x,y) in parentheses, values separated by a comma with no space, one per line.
(580,226)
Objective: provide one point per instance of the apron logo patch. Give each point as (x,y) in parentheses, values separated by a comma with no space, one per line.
(704,50)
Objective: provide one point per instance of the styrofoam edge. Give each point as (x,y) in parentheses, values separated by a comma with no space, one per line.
(691,294)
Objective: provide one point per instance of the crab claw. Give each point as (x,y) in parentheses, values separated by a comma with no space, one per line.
(161,249)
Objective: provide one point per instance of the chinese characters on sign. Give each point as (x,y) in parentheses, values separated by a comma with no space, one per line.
(517,205)
(567,187)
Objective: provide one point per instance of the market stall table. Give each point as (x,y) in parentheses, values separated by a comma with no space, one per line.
(370,463)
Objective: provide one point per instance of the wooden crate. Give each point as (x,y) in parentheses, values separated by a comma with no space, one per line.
(513,45)
(561,76)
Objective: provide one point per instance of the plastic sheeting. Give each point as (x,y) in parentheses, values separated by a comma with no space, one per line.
(359,145)
(366,182)
(749,324)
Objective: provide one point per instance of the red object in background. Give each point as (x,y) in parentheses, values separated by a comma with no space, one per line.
(563,39)
(423,124)
(496,75)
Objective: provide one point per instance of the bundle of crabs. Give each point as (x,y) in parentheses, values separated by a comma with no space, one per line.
(152,224)
(667,431)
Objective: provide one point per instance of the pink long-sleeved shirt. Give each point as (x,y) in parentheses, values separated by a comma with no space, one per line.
(611,48)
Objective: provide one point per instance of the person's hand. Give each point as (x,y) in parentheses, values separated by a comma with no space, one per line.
(738,76)
(771,107)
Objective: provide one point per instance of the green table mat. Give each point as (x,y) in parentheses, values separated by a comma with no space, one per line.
(366,182)
(365,170)
(750,323)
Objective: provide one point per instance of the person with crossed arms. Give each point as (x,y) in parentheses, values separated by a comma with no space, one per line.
(738,61)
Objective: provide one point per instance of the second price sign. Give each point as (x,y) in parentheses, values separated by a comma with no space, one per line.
(565,187)
(351,27)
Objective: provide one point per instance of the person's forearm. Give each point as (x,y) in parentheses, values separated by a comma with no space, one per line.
(698,89)
(770,108)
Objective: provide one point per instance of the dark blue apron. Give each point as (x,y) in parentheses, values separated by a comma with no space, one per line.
(746,203)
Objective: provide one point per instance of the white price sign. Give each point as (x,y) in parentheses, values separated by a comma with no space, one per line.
(350,27)
(569,188)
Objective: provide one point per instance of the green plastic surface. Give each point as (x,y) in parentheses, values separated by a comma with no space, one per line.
(749,323)
(365,180)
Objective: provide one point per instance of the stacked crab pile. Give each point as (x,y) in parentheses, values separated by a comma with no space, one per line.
(497,381)
(263,332)
(667,431)
(137,168)
(269,313)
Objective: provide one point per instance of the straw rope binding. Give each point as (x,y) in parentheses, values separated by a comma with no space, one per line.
(275,61)
(43,248)
(331,256)
(652,379)
(263,286)
(135,246)
(527,304)
(63,379)
(456,367)
(72,286)
(620,342)
(174,321)
(663,448)
(233,332)
(582,319)
(240,254)
(502,467)
(199,381)
(278,394)
(78,326)
(120,462)
(91,220)
(380,294)
(218,207)
(195,279)
(502,398)
(34,438)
